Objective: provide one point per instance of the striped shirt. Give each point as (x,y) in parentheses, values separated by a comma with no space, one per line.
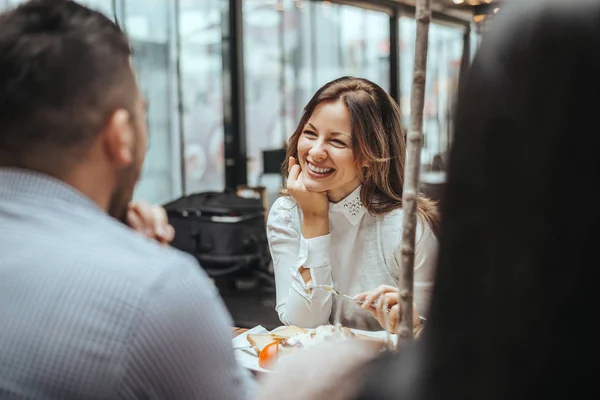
(90,309)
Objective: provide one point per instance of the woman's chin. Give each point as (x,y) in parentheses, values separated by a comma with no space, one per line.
(312,186)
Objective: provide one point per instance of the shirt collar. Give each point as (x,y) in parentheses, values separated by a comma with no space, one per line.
(350,206)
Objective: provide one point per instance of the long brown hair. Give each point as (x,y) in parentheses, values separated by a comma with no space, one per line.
(377,140)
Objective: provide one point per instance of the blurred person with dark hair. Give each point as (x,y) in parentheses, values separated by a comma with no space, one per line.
(88,307)
(518,263)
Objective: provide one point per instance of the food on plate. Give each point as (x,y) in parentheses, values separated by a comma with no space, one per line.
(260,340)
(268,355)
(286,340)
(320,334)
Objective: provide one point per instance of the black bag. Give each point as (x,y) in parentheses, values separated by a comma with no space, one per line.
(223,231)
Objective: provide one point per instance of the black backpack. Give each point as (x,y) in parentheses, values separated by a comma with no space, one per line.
(224,231)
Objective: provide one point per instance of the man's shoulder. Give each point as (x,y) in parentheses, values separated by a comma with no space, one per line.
(138,255)
(81,240)
(133,265)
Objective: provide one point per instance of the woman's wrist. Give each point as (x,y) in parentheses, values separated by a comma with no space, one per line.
(315,226)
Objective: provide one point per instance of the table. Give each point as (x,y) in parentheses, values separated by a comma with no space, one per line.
(238,331)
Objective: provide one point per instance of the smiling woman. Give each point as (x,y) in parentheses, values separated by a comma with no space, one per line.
(340,221)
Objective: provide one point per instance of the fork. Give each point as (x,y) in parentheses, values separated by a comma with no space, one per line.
(388,340)
(333,290)
(336,292)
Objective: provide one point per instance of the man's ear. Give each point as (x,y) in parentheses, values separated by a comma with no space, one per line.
(119,138)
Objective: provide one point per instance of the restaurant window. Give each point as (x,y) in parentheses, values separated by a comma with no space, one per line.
(266,32)
(291,48)
(350,41)
(149,26)
(104,6)
(152,28)
(202,89)
(443,69)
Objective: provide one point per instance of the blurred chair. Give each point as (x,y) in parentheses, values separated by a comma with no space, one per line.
(272,161)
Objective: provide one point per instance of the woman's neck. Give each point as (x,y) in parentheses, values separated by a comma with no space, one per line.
(339,194)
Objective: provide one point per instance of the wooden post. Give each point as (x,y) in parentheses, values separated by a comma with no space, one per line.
(410,193)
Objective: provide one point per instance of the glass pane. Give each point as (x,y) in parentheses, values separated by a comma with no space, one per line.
(104,6)
(443,68)
(351,41)
(264,37)
(202,81)
(148,25)
(291,48)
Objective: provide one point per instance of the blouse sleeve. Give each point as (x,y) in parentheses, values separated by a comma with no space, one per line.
(297,304)
(426,249)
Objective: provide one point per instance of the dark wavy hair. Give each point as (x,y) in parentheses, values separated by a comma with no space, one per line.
(518,264)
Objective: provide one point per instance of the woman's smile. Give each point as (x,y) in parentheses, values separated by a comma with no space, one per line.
(319,172)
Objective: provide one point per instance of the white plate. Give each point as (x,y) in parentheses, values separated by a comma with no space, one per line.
(248,358)
(244,357)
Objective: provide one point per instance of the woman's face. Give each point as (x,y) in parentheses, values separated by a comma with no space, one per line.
(325,152)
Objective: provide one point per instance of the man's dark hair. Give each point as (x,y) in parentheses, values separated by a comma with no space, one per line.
(64,69)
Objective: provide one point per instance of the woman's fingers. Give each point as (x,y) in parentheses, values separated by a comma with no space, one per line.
(367,302)
(291,163)
(392,298)
(361,296)
(373,295)
(294,181)
(371,298)
(385,307)
(293,171)
(381,305)
(394,317)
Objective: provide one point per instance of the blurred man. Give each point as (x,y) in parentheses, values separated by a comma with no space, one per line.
(88,307)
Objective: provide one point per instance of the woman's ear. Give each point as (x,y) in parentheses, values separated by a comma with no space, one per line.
(365,173)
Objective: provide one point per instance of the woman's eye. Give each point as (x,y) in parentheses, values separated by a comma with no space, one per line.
(310,133)
(338,143)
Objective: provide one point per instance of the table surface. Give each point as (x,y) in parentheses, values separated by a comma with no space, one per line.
(238,331)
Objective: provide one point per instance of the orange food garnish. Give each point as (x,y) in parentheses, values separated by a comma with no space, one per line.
(268,355)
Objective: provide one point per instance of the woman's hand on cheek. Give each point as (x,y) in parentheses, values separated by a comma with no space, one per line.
(312,204)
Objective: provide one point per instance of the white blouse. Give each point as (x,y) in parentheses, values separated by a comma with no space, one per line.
(361,252)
